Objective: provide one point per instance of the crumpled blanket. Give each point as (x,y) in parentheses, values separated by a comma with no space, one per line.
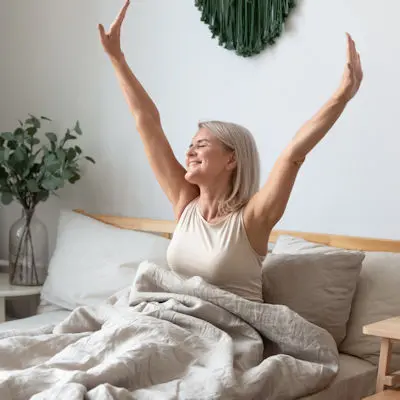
(166,337)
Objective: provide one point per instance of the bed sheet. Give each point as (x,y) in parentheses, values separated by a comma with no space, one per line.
(35,322)
(356,379)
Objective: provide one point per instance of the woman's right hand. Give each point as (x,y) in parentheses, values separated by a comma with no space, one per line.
(111,40)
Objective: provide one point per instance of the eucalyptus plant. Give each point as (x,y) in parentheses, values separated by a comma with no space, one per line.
(32,167)
(30,170)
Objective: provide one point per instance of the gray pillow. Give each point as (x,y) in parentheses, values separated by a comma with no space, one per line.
(319,287)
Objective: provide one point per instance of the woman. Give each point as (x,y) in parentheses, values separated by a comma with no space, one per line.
(224,219)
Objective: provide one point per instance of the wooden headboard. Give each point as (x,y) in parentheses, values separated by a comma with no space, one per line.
(166,228)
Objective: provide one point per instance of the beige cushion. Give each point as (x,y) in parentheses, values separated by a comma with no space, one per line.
(377,297)
(318,284)
(294,245)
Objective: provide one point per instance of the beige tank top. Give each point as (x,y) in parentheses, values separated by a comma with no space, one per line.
(219,252)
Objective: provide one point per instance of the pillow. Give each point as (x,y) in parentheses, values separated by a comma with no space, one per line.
(93,260)
(293,245)
(317,283)
(377,297)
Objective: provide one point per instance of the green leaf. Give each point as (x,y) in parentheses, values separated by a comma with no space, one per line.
(19,154)
(3,173)
(52,183)
(52,137)
(67,137)
(53,164)
(77,128)
(4,154)
(78,150)
(19,132)
(35,169)
(31,131)
(90,159)
(60,155)
(33,121)
(51,158)
(32,141)
(42,196)
(32,186)
(8,135)
(20,122)
(6,198)
(4,185)
(68,174)
(71,154)
(45,118)
(12,144)
(75,178)
(49,184)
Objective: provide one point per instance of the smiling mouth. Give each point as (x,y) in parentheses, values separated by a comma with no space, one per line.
(193,163)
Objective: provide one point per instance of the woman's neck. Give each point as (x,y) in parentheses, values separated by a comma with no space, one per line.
(209,202)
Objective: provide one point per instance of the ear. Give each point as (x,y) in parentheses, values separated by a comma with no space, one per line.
(232,163)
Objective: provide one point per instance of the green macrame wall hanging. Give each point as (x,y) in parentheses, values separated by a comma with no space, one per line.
(245,26)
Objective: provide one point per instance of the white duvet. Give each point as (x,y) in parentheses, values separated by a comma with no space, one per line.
(169,338)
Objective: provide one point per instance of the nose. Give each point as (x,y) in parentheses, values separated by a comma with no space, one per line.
(191,152)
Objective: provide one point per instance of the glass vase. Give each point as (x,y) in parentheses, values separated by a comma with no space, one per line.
(28,251)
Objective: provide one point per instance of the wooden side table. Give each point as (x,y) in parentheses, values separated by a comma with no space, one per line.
(388,330)
(7,291)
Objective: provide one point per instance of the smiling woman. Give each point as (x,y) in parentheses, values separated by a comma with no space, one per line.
(223,158)
(224,219)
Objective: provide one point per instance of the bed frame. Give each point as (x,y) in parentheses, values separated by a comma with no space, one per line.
(166,228)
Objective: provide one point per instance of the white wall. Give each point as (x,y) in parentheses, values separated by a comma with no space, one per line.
(52,64)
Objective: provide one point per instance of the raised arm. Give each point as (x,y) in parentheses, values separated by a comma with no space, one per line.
(168,171)
(269,204)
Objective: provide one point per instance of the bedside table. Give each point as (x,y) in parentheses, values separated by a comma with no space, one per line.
(388,330)
(8,291)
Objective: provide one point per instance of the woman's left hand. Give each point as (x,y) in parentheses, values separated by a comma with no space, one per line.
(353,73)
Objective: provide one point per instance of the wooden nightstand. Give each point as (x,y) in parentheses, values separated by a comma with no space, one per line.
(8,291)
(388,330)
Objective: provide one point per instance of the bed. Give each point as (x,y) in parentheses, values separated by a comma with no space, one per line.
(75,312)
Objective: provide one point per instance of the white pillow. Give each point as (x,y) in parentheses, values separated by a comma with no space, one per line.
(93,260)
(377,297)
(318,282)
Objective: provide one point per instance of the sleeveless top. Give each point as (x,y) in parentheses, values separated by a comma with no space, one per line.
(220,253)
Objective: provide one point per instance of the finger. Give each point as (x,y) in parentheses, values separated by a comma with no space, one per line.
(359,67)
(348,47)
(121,16)
(353,55)
(354,50)
(102,32)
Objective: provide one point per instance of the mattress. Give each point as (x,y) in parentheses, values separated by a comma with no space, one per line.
(356,379)
(35,322)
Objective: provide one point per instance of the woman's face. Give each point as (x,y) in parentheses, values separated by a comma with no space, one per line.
(208,160)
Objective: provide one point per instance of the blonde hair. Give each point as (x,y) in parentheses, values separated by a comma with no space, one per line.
(246,176)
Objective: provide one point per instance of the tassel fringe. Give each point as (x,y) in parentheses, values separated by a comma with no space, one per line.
(245,26)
